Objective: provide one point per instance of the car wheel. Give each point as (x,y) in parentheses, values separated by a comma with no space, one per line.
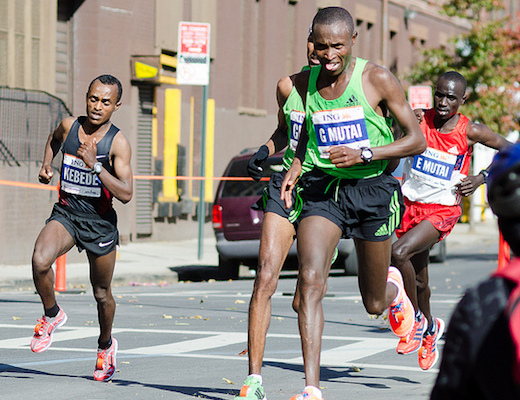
(351,263)
(228,268)
(439,255)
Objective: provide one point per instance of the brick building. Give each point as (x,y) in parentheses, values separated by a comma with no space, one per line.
(56,47)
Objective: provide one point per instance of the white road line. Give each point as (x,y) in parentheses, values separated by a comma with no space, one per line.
(186,346)
(343,356)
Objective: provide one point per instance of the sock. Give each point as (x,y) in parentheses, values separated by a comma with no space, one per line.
(418,316)
(313,390)
(53,311)
(104,345)
(431,328)
(256,376)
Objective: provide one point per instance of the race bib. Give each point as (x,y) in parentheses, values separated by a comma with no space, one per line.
(297,118)
(76,178)
(344,126)
(435,167)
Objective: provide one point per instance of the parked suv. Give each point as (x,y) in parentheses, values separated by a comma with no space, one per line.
(237,226)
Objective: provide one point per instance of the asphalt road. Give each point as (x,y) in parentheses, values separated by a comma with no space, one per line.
(183,341)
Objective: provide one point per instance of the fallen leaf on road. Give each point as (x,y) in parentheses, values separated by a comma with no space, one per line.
(243,352)
(196,317)
(228,381)
(167,316)
(239,301)
(17,318)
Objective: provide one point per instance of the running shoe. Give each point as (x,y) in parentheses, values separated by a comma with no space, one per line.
(44,330)
(411,342)
(106,363)
(251,390)
(428,353)
(401,313)
(307,395)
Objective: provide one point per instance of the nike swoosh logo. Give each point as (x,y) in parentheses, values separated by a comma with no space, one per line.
(101,244)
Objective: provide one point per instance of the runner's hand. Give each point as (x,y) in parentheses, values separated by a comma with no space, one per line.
(289,182)
(45,174)
(419,114)
(254,166)
(88,151)
(344,156)
(467,186)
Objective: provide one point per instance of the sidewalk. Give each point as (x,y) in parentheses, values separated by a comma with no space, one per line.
(137,263)
(144,263)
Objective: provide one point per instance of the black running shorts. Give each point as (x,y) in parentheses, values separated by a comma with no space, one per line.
(91,232)
(271,202)
(369,209)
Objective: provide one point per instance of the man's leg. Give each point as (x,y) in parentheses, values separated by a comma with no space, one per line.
(410,255)
(276,240)
(101,272)
(317,239)
(53,241)
(373,260)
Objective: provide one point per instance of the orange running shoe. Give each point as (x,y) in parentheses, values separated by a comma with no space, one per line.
(44,330)
(411,342)
(401,313)
(106,363)
(307,394)
(428,353)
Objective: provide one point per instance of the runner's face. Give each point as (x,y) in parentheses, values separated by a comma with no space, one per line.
(101,102)
(448,97)
(333,47)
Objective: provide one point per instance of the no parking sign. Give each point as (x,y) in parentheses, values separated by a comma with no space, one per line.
(193,56)
(420,97)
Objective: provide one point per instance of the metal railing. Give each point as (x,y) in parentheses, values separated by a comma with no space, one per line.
(26,119)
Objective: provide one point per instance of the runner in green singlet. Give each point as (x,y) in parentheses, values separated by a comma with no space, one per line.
(348,192)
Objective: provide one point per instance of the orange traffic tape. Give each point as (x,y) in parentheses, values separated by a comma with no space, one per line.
(136,177)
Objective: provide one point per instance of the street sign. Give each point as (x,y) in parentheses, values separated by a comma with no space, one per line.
(420,97)
(193,53)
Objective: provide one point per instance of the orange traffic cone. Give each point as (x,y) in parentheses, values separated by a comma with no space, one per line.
(61,274)
(504,253)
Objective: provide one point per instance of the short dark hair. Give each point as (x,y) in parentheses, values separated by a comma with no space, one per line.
(107,79)
(454,76)
(332,15)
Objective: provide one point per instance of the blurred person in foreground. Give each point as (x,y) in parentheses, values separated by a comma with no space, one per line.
(481,356)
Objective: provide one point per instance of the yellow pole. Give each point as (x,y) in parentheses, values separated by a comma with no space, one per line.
(172,137)
(210,149)
(190,157)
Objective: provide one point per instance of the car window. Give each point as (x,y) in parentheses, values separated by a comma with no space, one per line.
(248,188)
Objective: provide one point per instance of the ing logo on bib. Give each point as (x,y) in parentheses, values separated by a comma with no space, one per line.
(342,126)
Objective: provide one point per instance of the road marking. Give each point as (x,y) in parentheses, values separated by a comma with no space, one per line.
(345,355)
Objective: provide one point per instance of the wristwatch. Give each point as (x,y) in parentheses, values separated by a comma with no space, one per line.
(366,155)
(485,174)
(97,168)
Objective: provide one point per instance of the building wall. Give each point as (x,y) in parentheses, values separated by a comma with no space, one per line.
(253,44)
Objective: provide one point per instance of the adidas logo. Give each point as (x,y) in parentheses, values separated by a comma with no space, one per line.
(453,150)
(382,231)
(352,101)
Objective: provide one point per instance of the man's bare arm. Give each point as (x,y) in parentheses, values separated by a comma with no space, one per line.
(53,145)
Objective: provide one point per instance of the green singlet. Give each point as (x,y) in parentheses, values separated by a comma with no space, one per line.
(294,116)
(348,120)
